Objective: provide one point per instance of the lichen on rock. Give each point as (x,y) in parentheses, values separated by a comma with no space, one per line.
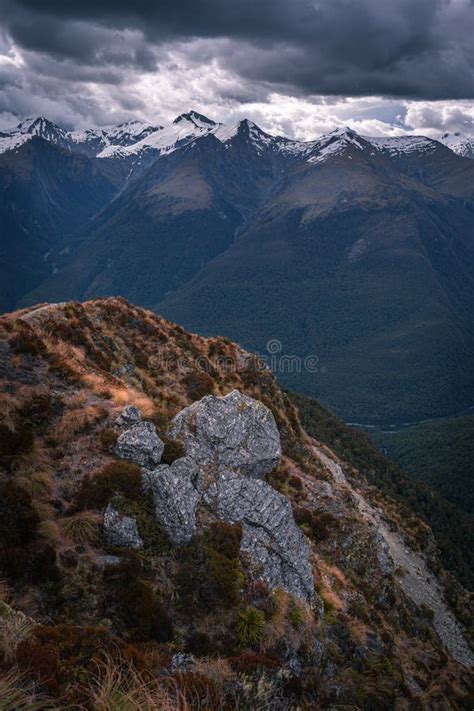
(234,431)
(176,491)
(130,415)
(120,530)
(141,445)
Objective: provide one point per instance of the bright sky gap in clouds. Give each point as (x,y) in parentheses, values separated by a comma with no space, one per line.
(295,67)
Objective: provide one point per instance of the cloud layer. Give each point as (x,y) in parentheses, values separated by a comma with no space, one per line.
(295,66)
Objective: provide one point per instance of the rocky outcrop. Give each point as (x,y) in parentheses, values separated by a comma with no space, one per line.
(234,431)
(120,530)
(130,415)
(231,442)
(278,549)
(176,493)
(140,444)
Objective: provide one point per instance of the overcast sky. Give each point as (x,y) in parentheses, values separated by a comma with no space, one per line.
(296,67)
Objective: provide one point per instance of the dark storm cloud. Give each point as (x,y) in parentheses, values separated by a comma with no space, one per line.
(413,48)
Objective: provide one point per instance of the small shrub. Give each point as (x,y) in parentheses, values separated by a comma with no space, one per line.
(319,524)
(18,519)
(296,617)
(198,384)
(107,438)
(222,545)
(39,661)
(14,443)
(225,578)
(116,477)
(173,450)
(225,538)
(249,663)
(144,614)
(27,343)
(22,554)
(197,691)
(250,627)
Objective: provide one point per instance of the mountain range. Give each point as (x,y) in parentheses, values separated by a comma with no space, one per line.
(354,251)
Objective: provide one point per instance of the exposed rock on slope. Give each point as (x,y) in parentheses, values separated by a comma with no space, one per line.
(229,441)
(277,547)
(140,444)
(120,530)
(176,495)
(417,581)
(234,431)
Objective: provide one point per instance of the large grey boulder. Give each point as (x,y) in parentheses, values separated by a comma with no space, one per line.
(234,431)
(176,493)
(120,530)
(140,444)
(277,548)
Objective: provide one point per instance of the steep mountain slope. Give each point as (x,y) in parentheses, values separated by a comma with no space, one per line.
(46,195)
(102,598)
(453,530)
(354,260)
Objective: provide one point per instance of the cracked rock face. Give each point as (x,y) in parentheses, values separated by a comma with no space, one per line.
(120,530)
(275,544)
(176,493)
(140,444)
(130,415)
(234,431)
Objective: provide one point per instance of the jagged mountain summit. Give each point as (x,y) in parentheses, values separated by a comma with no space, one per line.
(168,514)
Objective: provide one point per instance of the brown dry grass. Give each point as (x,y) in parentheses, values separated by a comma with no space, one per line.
(120,687)
(39,484)
(77,420)
(82,528)
(16,696)
(14,626)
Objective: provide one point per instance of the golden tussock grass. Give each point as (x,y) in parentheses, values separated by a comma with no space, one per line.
(77,420)
(82,528)
(39,484)
(14,626)
(50,531)
(36,458)
(121,396)
(291,621)
(217,670)
(119,687)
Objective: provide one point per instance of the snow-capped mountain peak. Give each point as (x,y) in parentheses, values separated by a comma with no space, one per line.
(458,143)
(334,143)
(196,119)
(33,126)
(43,127)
